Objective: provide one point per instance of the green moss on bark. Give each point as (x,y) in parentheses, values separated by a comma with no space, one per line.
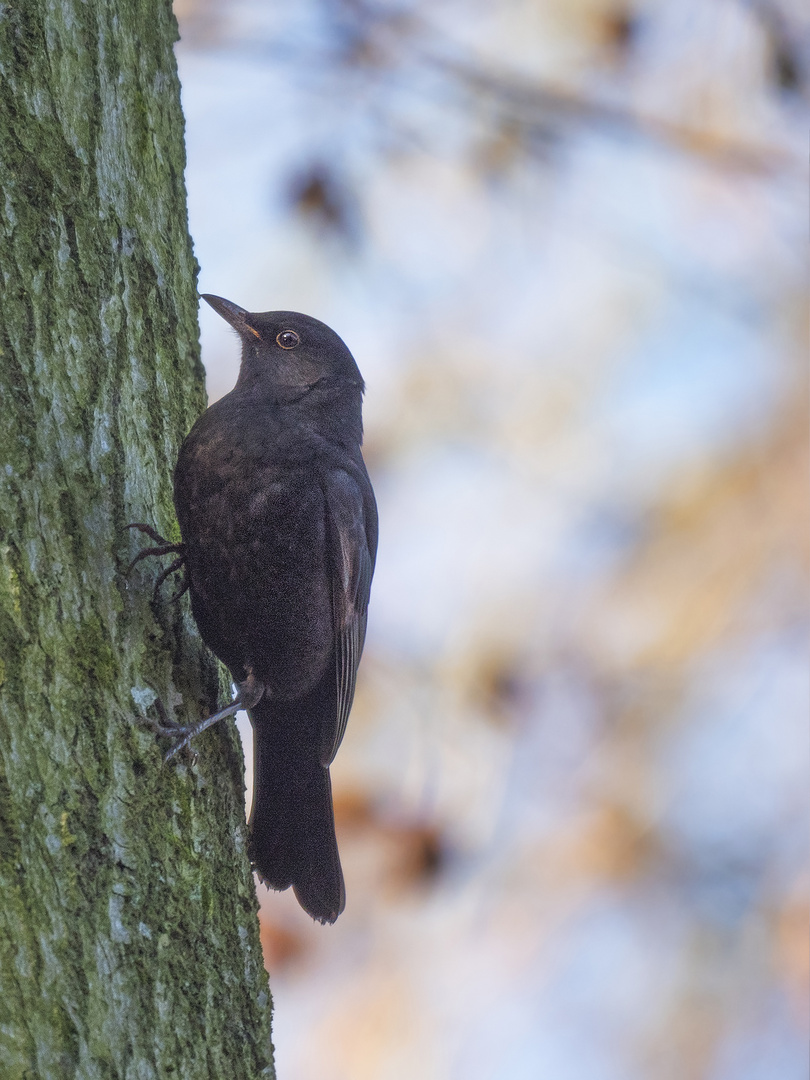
(128,936)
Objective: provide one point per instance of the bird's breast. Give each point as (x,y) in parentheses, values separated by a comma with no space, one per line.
(254,525)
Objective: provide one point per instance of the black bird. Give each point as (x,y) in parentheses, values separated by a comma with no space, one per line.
(279,528)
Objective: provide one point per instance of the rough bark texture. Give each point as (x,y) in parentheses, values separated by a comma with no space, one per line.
(128,936)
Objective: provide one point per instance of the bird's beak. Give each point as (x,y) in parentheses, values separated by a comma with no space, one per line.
(231,313)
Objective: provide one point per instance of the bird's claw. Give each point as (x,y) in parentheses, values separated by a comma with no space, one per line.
(184,733)
(163,547)
(167,728)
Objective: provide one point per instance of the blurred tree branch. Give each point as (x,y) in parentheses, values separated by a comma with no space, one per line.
(384,41)
(538,104)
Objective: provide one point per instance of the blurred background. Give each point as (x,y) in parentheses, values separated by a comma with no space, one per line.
(566,242)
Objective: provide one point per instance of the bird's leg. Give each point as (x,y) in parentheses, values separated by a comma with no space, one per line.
(249,693)
(163,548)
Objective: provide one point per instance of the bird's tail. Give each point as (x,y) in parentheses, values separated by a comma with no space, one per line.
(292,826)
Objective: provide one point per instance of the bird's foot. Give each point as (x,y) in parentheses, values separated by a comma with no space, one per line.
(163,547)
(167,728)
(182,734)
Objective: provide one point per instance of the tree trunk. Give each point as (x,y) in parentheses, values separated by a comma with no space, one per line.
(129,943)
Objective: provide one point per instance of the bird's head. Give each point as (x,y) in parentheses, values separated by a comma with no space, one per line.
(287,350)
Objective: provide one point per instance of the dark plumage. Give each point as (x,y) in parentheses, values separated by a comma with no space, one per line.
(279,528)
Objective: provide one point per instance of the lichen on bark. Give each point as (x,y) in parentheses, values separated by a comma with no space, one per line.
(128,936)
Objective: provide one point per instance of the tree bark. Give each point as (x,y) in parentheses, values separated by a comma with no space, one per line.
(129,942)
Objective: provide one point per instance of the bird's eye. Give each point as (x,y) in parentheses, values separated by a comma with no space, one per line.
(287,339)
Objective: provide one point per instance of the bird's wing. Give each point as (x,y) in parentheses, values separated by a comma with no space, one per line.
(352,530)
